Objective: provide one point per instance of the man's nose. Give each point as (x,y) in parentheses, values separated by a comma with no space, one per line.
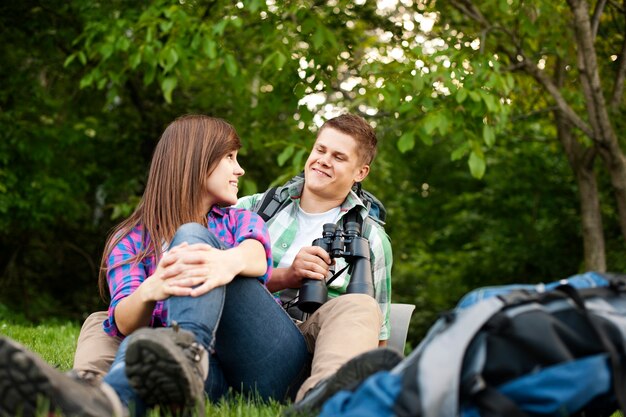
(323,160)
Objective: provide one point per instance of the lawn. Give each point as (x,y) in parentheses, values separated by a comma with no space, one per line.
(55,342)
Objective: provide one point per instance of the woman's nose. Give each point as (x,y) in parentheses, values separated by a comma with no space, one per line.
(239,170)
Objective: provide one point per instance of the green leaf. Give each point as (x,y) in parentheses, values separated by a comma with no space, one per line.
(167,85)
(461,95)
(268,59)
(123,43)
(430,123)
(318,38)
(459,152)
(149,75)
(475,96)
(82,57)
(166,26)
(489,135)
(171,59)
(296,161)
(150,35)
(218,29)
(299,90)
(406,142)
(231,65)
(209,48)
(418,82)
(106,50)
(86,81)
(254,5)
(489,100)
(285,155)
(436,121)
(69,60)
(134,60)
(280,60)
(476,165)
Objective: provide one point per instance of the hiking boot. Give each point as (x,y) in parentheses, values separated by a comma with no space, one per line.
(28,386)
(166,366)
(348,377)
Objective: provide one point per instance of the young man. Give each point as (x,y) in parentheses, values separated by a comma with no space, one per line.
(343,333)
(346,326)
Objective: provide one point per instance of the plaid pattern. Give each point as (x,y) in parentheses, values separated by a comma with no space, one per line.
(231,225)
(283,227)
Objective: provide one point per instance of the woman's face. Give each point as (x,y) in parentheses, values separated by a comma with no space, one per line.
(222,185)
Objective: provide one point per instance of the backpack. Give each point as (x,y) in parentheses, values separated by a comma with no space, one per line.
(276,198)
(518,350)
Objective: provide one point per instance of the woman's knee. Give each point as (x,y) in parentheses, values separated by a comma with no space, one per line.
(195,233)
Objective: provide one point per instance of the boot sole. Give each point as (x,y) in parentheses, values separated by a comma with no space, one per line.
(22,381)
(348,377)
(154,370)
(355,371)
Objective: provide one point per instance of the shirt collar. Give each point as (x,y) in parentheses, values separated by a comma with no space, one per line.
(217,211)
(352,200)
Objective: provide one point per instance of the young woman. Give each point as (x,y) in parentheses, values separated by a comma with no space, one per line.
(186,275)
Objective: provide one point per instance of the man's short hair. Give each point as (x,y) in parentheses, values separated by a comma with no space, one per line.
(360,131)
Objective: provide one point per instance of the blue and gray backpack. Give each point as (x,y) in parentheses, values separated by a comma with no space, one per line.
(557,349)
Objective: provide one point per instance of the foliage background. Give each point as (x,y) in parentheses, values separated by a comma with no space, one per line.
(478,192)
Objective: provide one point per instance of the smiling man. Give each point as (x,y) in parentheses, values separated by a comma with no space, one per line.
(344,332)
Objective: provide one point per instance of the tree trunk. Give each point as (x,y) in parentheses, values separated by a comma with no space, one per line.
(604,135)
(581,161)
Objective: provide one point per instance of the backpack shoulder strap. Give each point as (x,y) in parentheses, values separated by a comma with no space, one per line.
(270,203)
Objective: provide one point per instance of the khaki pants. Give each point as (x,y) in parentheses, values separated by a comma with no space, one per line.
(341,329)
(95,350)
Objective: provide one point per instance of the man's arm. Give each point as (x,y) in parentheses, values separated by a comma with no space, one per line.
(382,259)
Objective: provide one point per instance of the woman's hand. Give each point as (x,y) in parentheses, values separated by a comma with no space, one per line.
(198,268)
(178,271)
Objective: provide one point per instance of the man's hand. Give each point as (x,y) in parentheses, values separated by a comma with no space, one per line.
(310,262)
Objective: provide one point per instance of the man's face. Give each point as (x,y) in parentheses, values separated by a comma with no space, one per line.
(333,165)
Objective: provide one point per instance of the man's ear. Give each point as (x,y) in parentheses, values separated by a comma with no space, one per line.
(362,173)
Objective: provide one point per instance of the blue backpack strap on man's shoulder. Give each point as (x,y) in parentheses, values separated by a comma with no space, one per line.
(275,198)
(269,205)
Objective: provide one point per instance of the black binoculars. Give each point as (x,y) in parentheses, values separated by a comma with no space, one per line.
(355,250)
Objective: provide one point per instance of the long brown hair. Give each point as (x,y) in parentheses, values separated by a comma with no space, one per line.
(188,151)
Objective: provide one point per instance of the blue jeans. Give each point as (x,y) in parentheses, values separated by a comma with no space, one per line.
(255,346)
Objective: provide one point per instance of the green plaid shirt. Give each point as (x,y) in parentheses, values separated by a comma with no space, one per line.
(283,227)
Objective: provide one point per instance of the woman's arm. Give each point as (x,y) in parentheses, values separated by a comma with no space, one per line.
(219,267)
(135,310)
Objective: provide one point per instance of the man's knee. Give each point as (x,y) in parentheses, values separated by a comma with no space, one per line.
(95,350)
(353,305)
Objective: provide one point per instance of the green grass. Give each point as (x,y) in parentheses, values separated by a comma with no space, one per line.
(55,342)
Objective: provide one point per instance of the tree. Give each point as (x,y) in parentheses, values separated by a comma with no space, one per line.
(580,77)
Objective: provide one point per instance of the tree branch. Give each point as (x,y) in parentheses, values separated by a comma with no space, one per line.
(554,91)
(620,76)
(595,19)
(467,8)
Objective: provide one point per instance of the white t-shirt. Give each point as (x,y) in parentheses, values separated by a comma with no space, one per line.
(310,227)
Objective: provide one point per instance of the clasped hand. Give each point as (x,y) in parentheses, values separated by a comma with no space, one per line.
(189,270)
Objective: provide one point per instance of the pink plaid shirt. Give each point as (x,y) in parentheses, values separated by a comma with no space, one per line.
(231,225)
